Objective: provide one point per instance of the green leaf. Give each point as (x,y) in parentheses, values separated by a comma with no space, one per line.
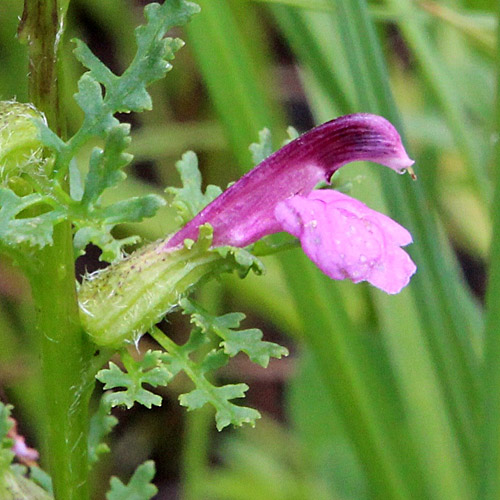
(132,210)
(96,224)
(190,199)
(241,260)
(112,249)
(226,412)
(150,370)
(16,230)
(101,424)
(40,477)
(139,486)
(127,92)
(247,341)
(105,165)
(262,149)
(292,135)
(48,138)
(99,118)
(6,453)
(182,357)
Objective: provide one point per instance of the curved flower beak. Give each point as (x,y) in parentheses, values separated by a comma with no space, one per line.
(341,235)
(244,213)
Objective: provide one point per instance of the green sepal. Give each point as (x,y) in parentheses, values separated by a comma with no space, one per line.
(21,150)
(126,299)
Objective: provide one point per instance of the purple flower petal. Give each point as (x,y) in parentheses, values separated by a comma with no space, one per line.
(244,213)
(346,239)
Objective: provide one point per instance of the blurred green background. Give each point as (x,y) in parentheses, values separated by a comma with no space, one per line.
(381,395)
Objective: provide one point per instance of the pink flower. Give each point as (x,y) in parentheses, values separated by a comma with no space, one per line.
(342,236)
(346,239)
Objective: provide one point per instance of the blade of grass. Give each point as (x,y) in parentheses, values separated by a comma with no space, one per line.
(368,405)
(489,475)
(438,287)
(311,54)
(304,4)
(435,73)
(449,316)
(230,63)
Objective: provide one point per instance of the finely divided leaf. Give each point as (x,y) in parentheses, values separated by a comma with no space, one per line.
(150,370)
(112,248)
(99,117)
(227,413)
(131,210)
(101,94)
(139,486)
(247,341)
(190,199)
(128,92)
(243,260)
(105,165)
(182,357)
(262,149)
(16,230)
(97,223)
(101,424)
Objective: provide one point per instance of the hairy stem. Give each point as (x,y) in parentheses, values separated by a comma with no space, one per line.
(65,351)
(66,356)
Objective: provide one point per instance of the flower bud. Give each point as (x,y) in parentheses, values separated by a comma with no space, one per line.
(21,151)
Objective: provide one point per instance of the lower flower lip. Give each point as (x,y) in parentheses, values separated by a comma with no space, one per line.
(346,239)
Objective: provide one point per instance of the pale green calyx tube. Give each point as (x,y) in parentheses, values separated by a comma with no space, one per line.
(123,301)
(21,151)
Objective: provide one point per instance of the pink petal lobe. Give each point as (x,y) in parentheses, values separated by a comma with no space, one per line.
(346,239)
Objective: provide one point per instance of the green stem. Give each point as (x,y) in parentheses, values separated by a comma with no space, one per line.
(65,352)
(198,426)
(66,356)
(41,27)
